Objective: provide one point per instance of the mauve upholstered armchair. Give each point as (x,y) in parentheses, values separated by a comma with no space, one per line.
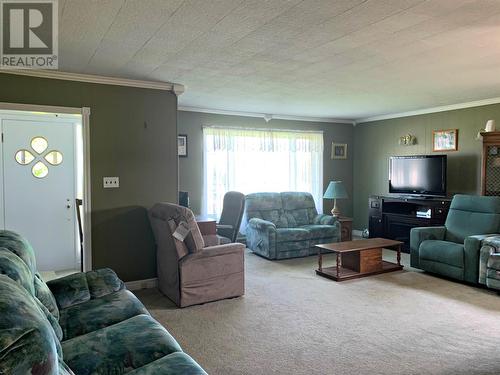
(188,272)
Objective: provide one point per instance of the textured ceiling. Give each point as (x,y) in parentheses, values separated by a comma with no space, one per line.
(346,59)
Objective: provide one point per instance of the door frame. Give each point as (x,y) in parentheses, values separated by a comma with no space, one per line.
(84,112)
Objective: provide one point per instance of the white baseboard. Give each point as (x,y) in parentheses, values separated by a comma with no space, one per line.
(357,233)
(142,284)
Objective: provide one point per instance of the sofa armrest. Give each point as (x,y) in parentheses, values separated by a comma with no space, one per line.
(214,251)
(487,250)
(224,226)
(419,235)
(103,281)
(323,219)
(261,237)
(260,224)
(83,286)
(200,269)
(493,240)
(474,269)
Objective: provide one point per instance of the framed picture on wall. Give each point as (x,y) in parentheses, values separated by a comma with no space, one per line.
(339,150)
(445,140)
(182,145)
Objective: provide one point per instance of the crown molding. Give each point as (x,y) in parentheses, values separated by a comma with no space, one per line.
(90,78)
(451,107)
(261,115)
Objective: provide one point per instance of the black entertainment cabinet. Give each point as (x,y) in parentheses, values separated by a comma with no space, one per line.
(393,217)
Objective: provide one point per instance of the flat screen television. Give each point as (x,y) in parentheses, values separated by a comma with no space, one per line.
(418,175)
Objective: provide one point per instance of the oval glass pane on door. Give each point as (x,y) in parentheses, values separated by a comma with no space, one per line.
(39,144)
(24,157)
(54,157)
(40,170)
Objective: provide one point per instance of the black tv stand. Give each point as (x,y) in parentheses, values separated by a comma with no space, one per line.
(393,217)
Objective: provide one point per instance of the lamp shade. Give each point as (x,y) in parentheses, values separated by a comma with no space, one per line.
(335,190)
(490,126)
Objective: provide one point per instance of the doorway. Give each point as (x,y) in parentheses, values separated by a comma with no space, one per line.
(42,168)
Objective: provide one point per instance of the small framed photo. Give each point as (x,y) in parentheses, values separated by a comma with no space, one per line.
(182,145)
(445,140)
(339,150)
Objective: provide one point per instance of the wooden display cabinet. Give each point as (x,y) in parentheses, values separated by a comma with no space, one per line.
(490,172)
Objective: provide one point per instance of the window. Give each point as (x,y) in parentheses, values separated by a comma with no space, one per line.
(39,144)
(39,169)
(251,161)
(54,157)
(24,157)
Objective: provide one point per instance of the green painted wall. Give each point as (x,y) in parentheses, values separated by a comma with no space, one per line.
(191,168)
(375,142)
(133,136)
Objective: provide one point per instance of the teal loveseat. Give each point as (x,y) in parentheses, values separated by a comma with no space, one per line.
(85,323)
(286,225)
(453,250)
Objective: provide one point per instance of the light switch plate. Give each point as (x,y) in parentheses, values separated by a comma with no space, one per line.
(111,182)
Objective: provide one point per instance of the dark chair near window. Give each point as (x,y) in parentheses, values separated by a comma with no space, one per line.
(230,219)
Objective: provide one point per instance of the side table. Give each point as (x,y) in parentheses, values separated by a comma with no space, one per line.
(345,228)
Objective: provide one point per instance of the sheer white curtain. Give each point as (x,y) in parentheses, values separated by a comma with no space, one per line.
(251,160)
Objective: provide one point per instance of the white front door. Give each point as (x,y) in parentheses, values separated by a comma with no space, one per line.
(39,188)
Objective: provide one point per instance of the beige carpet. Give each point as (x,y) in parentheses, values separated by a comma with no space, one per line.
(293,322)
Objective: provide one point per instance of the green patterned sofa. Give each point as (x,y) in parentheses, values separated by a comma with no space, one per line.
(85,323)
(286,225)
(489,263)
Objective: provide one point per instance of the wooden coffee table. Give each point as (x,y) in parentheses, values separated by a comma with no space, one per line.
(358,258)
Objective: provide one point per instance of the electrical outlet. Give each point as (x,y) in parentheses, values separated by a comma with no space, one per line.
(111,182)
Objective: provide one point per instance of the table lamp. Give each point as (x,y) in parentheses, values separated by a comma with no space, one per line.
(335,190)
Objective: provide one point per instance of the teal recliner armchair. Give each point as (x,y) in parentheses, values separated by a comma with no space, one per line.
(453,250)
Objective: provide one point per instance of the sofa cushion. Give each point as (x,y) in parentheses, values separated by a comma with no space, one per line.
(299,208)
(19,246)
(471,215)
(293,200)
(263,202)
(119,348)
(177,363)
(321,231)
(43,293)
(265,206)
(168,211)
(16,269)
(297,218)
(274,216)
(52,320)
(103,281)
(99,313)
(28,344)
(70,290)
(443,252)
(291,234)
